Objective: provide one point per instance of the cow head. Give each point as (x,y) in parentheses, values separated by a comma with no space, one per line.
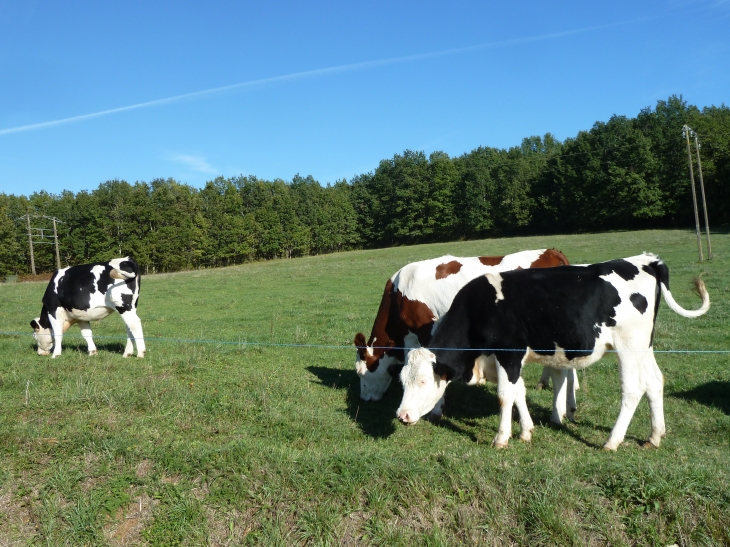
(424,383)
(374,367)
(43,336)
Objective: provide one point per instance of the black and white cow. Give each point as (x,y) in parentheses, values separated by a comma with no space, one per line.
(561,317)
(90,292)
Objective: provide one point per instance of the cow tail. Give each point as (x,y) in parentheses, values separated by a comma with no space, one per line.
(663,278)
(116,273)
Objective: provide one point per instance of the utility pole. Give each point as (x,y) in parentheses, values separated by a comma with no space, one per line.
(685,131)
(40,238)
(702,191)
(58,256)
(30,243)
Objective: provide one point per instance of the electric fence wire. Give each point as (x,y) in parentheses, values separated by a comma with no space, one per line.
(351,346)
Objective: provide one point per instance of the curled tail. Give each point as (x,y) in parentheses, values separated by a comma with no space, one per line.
(117,273)
(701,289)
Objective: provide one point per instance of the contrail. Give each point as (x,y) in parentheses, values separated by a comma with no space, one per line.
(314,73)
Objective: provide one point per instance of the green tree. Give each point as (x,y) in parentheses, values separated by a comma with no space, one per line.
(11,257)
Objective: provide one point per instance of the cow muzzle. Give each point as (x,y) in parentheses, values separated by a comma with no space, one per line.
(407,417)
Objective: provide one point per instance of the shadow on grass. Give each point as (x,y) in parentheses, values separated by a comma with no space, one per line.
(714,394)
(374,418)
(80,347)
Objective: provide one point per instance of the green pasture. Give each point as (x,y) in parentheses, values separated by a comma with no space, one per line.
(207,441)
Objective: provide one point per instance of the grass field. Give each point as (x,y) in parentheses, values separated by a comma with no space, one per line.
(209,442)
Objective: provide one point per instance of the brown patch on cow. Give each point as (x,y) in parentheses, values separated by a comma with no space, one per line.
(549,259)
(447,269)
(361,344)
(490,260)
(417,317)
(378,333)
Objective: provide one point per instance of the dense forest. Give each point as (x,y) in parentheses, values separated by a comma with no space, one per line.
(626,173)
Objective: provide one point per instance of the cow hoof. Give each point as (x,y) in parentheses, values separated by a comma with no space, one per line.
(608,448)
(92,352)
(649,444)
(540,386)
(526,437)
(499,444)
(140,356)
(127,355)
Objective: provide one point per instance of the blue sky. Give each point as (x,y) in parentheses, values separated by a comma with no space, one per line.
(94,91)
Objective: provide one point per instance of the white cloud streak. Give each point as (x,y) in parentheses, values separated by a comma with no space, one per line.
(315,73)
(196,163)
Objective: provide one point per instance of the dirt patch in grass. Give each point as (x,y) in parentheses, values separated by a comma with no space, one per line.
(16,522)
(143,468)
(230,527)
(127,525)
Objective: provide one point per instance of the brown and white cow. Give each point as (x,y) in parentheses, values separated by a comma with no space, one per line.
(414,300)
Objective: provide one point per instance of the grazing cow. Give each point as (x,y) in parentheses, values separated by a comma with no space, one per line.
(90,292)
(413,301)
(562,317)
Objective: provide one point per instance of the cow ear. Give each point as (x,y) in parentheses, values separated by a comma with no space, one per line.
(445,372)
(394,369)
(361,344)
(35,324)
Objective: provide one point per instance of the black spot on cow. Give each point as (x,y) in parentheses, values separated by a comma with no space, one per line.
(639,302)
(626,270)
(126,303)
(105,279)
(75,288)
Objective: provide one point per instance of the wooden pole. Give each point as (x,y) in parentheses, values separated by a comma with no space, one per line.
(686,131)
(30,243)
(704,202)
(55,238)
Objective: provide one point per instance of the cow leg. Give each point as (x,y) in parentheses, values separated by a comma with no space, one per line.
(571,401)
(134,333)
(86,333)
(544,378)
(655,395)
(507,393)
(57,330)
(629,366)
(560,387)
(526,425)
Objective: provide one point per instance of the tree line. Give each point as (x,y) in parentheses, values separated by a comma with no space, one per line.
(626,173)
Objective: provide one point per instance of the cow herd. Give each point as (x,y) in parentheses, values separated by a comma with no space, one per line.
(470,320)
